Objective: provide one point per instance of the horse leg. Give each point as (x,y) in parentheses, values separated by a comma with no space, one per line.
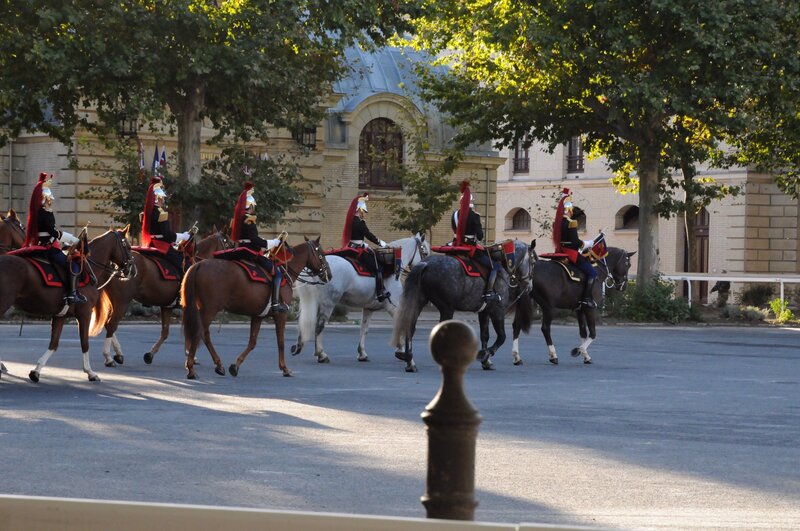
(498,322)
(366,315)
(111,328)
(218,367)
(166,315)
(408,354)
(516,328)
(586,318)
(483,353)
(547,319)
(83,329)
(255,327)
(280,331)
(56,325)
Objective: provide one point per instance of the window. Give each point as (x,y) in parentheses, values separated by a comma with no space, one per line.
(521,158)
(380,154)
(627,218)
(575,155)
(521,220)
(579,216)
(305,135)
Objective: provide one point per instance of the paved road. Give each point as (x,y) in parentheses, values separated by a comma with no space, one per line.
(670,428)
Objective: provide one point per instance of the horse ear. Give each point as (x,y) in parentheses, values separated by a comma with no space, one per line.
(422,237)
(12,214)
(318,237)
(631,254)
(214,228)
(533,243)
(305,237)
(126,229)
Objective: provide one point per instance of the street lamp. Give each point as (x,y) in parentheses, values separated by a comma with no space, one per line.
(128,126)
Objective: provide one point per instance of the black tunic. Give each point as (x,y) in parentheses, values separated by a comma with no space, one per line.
(473,227)
(249,231)
(161,228)
(569,235)
(46,221)
(359,231)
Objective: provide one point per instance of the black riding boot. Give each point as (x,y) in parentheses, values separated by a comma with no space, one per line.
(74,296)
(277,305)
(489,294)
(380,291)
(587,299)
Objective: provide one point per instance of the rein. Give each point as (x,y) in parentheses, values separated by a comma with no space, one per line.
(619,285)
(113,269)
(295,276)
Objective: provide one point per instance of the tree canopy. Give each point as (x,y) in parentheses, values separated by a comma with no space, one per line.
(629,76)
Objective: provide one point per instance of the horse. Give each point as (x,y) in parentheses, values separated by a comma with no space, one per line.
(149,288)
(107,255)
(553,290)
(12,233)
(441,280)
(211,286)
(317,300)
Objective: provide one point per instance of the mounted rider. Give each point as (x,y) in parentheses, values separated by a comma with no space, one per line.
(567,241)
(353,235)
(156,228)
(468,231)
(41,230)
(244,231)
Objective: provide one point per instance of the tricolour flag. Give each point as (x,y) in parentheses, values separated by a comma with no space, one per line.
(155,161)
(163,161)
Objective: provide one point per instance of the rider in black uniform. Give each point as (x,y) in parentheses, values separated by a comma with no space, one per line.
(158,227)
(572,244)
(360,232)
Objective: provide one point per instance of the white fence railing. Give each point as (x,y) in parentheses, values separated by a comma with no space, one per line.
(65,514)
(736,277)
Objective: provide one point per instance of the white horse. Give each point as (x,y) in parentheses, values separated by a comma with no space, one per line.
(317,300)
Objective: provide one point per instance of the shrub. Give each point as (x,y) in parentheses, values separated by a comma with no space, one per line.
(744,313)
(757,295)
(780,309)
(655,302)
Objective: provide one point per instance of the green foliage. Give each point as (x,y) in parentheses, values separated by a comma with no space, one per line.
(755,295)
(744,313)
(780,309)
(648,303)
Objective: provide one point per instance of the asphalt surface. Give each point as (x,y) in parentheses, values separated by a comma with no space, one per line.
(670,428)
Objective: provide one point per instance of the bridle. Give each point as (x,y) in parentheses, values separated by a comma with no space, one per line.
(514,281)
(419,247)
(323,272)
(610,281)
(126,272)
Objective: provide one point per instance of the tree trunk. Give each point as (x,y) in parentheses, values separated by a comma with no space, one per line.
(648,217)
(190,126)
(689,222)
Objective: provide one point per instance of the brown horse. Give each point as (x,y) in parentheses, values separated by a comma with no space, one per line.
(12,233)
(22,286)
(214,285)
(149,288)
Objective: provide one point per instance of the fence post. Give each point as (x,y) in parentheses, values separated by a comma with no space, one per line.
(452,426)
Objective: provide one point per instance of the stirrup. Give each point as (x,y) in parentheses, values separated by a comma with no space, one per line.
(492,296)
(75,297)
(383,296)
(588,302)
(280,307)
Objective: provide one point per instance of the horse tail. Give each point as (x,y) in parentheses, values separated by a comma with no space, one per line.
(309,311)
(191,317)
(101,311)
(413,298)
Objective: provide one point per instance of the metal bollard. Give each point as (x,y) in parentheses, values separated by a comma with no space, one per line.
(452,426)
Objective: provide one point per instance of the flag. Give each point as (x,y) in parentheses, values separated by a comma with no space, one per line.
(155,161)
(163,162)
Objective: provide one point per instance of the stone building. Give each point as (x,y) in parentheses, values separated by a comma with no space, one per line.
(372,110)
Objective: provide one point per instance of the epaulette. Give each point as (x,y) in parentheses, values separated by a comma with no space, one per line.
(163,215)
(250,219)
(573,224)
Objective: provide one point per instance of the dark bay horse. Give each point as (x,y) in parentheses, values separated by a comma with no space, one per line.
(22,287)
(12,233)
(214,285)
(440,280)
(552,290)
(149,288)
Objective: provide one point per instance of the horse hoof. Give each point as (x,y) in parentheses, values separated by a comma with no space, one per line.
(120,359)
(487,366)
(287,373)
(3,368)
(554,361)
(587,362)
(518,362)
(191,375)
(219,369)
(411,368)
(363,358)
(295,350)
(34,376)
(575,352)
(401,356)
(110,363)
(94,378)
(148,358)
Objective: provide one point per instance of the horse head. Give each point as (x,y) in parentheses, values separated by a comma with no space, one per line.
(412,250)
(316,261)
(111,252)
(617,265)
(216,241)
(14,232)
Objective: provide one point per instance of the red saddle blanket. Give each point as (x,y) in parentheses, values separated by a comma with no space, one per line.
(166,268)
(353,257)
(245,258)
(52,275)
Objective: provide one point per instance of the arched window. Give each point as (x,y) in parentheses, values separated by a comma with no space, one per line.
(380,154)
(521,220)
(579,216)
(627,218)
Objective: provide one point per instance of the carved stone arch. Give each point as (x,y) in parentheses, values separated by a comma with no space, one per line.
(627,217)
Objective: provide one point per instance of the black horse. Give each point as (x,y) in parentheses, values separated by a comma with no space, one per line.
(552,289)
(441,280)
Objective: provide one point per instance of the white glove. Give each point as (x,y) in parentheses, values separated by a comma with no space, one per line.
(68,239)
(273,243)
(383,243)
(182,237)
(587,244)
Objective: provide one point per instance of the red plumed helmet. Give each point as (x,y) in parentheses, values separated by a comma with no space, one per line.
(239,211)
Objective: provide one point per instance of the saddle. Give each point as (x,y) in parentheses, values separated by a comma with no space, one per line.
(573,273)
(388,259)
(464,255)
(166,268)
(247,259)
(52,275)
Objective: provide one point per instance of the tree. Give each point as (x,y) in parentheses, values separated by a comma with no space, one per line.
(241,65)
(624,74)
